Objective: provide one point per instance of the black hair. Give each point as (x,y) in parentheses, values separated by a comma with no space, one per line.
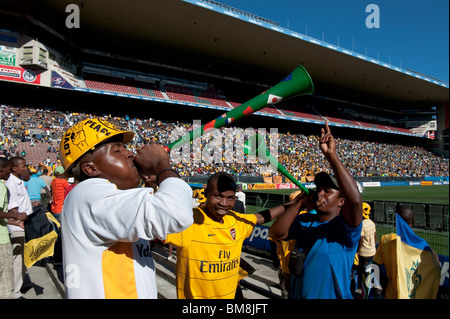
(15,161)
(225,182)
(4,162)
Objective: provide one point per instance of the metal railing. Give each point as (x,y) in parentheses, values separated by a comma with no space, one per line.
(431,220)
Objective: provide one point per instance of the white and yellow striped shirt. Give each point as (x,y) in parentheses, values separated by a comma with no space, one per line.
(106,233)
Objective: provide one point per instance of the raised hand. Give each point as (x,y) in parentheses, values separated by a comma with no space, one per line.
(151,159)
(327,142)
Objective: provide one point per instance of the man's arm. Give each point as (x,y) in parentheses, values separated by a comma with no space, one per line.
(352,208)
(13,217)
(268,214)
(272,213)
(49,193)
(14,214)
(280,227)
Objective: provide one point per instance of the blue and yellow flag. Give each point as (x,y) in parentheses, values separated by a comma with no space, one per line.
(417,266)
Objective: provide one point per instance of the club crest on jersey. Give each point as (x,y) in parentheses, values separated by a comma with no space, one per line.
(233,233)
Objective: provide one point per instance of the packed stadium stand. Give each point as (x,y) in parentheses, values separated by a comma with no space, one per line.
(37,132)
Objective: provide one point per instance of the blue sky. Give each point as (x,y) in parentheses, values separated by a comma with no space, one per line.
(413,34)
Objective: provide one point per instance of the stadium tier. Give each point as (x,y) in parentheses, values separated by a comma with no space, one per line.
(179,93)
(37,132)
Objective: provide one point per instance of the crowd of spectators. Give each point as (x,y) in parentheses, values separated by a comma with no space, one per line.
(297,152)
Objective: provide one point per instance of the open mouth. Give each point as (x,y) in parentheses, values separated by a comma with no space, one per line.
(221,211)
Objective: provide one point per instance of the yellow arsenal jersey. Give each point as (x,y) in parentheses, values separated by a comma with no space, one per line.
(208,255)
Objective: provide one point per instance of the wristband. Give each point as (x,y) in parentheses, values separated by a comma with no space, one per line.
(164,170)
(267,216)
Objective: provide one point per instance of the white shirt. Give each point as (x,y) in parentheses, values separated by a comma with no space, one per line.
(106,233)
(241,196)
(18,197)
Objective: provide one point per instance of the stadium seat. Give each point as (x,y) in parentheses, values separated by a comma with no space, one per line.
(38,153)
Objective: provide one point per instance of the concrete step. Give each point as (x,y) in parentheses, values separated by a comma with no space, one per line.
(262,284)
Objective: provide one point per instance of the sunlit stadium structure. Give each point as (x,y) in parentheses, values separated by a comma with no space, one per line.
(186,60)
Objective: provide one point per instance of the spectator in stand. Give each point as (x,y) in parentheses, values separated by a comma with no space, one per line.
(209,251)
(366,251)
(240,194)
(34,187)
(413,269)
(58,186)
(72,183)
(45,198)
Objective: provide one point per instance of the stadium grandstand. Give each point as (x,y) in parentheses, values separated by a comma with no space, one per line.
(171,69)
(184,62)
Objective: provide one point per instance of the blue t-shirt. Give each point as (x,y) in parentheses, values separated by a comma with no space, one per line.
(330,249)
(34,186)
